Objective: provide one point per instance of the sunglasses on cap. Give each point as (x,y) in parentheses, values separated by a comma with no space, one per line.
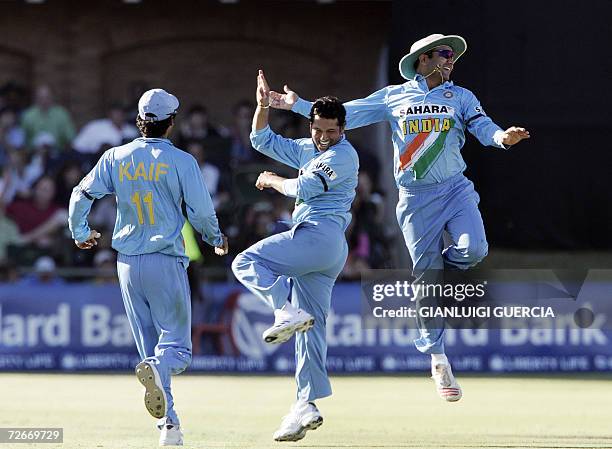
(446,54)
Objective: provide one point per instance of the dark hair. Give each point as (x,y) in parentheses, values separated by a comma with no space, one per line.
(328,107)
(429,53)
(197,109)
(153,129)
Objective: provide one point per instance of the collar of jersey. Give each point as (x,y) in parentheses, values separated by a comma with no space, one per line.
(154,139)
(418,79)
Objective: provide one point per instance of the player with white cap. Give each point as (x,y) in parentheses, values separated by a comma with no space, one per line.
(156,185)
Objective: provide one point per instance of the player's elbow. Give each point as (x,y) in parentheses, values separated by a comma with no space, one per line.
(259,141)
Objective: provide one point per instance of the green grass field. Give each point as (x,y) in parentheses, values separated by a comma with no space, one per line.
(106,411)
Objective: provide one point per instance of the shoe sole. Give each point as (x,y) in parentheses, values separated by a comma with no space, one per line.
(450,394)
(283,335)
(155,397)
(301,433)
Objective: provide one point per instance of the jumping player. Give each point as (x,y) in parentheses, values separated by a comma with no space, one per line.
(301,265)
(428,116)
(155,184)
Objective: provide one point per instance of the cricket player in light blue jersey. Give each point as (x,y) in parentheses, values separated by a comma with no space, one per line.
(302,264)
(155,184)
(428,116)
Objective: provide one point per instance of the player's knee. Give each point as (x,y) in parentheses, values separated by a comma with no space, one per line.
(477,251)
(181,360)
(238,263)
(188,358)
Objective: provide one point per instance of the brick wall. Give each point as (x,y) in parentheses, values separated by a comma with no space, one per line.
(95,53)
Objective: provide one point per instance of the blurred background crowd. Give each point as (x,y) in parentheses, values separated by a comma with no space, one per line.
(67,94)
(43,155)
(72,73)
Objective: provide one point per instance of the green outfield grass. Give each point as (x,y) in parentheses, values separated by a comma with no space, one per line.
(106,411)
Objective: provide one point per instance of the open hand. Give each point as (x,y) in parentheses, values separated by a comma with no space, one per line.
(263,90)
(514,135)
(283,101)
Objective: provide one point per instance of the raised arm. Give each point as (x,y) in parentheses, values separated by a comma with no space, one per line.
(262,94)
(263,138)
(361,112)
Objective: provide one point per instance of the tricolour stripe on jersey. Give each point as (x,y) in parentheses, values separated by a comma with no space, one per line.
(427,158)
(412,147)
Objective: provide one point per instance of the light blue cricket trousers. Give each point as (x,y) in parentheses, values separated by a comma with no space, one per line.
(157,301)
(425,213)
(303,262)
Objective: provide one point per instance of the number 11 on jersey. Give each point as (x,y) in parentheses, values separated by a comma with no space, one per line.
(148,200)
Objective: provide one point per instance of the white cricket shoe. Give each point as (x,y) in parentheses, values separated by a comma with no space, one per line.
(447,385)
(155,396)
(288,321)
(302,417)
(171,434)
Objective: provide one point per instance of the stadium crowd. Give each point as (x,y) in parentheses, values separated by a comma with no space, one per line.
(43,156)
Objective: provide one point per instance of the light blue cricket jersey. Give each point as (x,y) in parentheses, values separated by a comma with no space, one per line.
(153,182)
(428,127)
(327,179)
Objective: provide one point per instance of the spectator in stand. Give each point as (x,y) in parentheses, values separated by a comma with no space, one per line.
(104,133)
(261,220)
(367,237)
(288,125)
(68,176)
(212,175)
(44,274)
(12,137)
(105,262)
(39,218)
(18,175)
(9,235)
(241,149)
(282,210)
(46,116)
(196,126)
(369,163)
(44,155)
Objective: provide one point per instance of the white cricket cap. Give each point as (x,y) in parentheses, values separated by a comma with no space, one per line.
(156,105)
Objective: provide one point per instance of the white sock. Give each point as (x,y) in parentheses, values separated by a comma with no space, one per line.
(439,359)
